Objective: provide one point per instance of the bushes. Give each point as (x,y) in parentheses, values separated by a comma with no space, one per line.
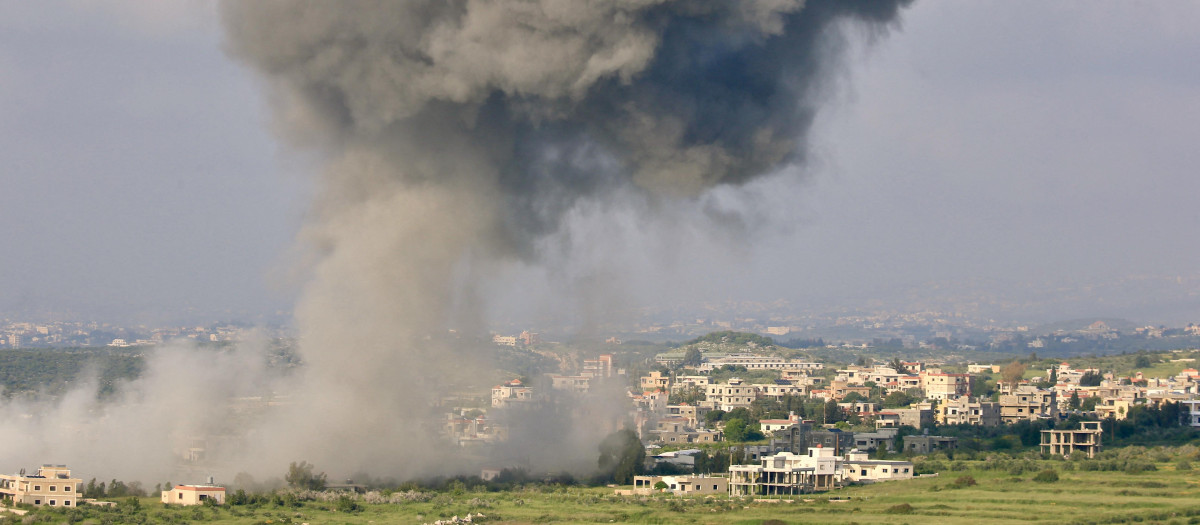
(902,508)
(1046,476)
(964,481)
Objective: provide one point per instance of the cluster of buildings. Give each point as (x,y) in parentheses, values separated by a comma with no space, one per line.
(783,474)
(53,486)
(468,427)
(23,334)
(525,338)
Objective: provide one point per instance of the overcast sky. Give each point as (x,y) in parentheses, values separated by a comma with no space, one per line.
(1007,142)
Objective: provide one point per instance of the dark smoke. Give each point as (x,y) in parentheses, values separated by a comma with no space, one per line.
(460,132)
(560,99)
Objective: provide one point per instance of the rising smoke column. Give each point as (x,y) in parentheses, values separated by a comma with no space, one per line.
(462,131)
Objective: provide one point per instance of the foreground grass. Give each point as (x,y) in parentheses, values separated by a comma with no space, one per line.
(1163,496)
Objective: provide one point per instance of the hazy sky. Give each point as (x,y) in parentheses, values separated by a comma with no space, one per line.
(1005,141)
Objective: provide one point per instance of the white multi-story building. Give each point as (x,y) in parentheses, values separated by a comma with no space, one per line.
(728,396)
(786,474)
(760,362)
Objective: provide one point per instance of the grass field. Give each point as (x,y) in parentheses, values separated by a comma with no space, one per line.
(1163,496)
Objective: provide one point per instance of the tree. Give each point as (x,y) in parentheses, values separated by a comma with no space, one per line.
(692,358)
(1012,372)
(853,397)
(622,456)
(896,400)
(661,485)
(1074,401)
(1090,378)
(735,430)
(897,365)
(301,476)
(1089,404)
(741,413)
(1141,361)
(713,416)
(833,412)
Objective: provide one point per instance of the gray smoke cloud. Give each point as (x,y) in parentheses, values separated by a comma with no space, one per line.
(454,134)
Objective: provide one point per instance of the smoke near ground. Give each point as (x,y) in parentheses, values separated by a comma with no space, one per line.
(458,136)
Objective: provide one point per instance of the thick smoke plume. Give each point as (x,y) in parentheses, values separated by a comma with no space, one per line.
(453,136)
(458,133)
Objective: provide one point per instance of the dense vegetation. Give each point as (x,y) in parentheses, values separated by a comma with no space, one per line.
(52,371)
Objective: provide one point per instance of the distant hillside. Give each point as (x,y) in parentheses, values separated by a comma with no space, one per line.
(733,338)
(1075,325)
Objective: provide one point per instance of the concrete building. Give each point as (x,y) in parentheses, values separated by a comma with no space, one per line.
(194,495)
(760,362)
(1192,406)
(1028,402)
(656,380)
(52,486)
(787,474)
(781,388)
(918,417)
(682,485)
(800,438)
(884,437)
(963,411)
(945,386)
(578,384)
(728,396)
(1065,442)
(511,392)
(927,444)
(772,425)
(686,382)
(694,414)
(859,468)
(601,366)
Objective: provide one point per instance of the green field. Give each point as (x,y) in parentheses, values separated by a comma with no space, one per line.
(1165,495)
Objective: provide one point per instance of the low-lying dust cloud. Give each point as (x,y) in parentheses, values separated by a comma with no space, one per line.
(455,137)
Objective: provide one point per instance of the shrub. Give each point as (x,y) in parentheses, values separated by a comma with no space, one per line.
(964,481)
(345,503)
(1138,467)
(902,508)
(1046,476)
(1183,465)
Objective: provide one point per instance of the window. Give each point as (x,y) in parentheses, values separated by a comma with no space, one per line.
(714,487)
(37,487)
(52,503)
(67,503)
(37,502)
(180,495)
(53,488)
